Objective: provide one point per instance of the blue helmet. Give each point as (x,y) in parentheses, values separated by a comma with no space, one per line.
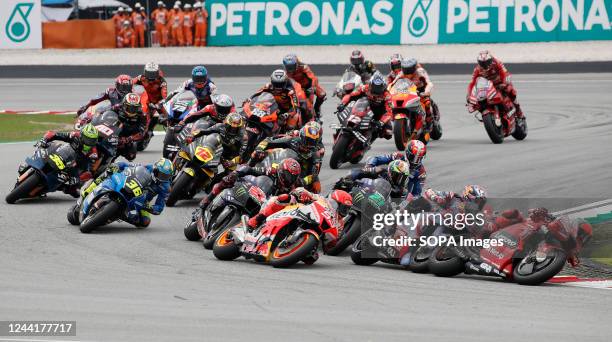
(163,170)
(290,62)
(199,74)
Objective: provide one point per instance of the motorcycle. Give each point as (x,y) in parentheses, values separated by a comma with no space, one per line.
(529,253)
(262,120)
(175,110)
(112,199)
(496,112)
(109,128)
(48,170)
(245,198)
(347,84)
(286,238)
(91,113)
(355,134)
(195,165)
(370,196)
(406,107)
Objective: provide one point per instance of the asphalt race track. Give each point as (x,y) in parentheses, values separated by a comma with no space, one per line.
(125,284)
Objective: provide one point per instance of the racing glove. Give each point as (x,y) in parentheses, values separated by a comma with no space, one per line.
(82,110)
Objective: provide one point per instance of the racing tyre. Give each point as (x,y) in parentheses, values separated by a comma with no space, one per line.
(495,132)
(520,132)
(73,215)
(286,256)
(444,263)
(419,260)
(225,248)
(530,271)
(209,241)
(348,235)
(100,217)
(144,143)
(356,256)
(24,189)
(401,127)
(436,131)
(191,231)
(178,189)
(339,151)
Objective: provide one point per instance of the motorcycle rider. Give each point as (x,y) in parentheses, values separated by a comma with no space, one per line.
(361,66)
(123,86)
(84,142)
(396,173)
(285,177)
(494,70)
(301,73)
(308,147)
(414,155)
(415,73)
(222,105)
(200,84)
(380,103)
(156,87)
(231,138)
(134,122)
(395,64)
(161,172)
(289,96)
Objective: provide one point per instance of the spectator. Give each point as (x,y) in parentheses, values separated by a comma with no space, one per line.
(188,25)
(139,21)
(160,17)
(201,24)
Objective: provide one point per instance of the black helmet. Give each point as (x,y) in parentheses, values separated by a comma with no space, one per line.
(223,105)
(234,123)
(377,84)
(290,62)
(151,71)
(409,66)
(279,79)
(357,58)
(395,61)
(123,84)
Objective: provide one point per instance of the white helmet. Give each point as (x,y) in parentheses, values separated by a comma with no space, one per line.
(187,6)
(197,4)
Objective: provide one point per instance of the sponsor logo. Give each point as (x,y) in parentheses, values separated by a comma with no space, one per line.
(420,21)
(18,27)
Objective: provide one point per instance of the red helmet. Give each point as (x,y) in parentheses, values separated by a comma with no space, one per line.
(131,105)
(415,152)
(485,59)
(123,84)
(288,172)
(395,61)
(357,58)
(343,200)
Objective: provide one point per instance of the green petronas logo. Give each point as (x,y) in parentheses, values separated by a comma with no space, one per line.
(418,22)
(18,27)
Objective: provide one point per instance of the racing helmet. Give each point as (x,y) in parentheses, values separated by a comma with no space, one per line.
(485,59)
(199,76)
(395,62)
(409,66)
(290,62)
(310,135)
(378,85)
(187,6)
(223,105)
(279,79)
(131,105)
(123,84)
(151,71)
(415,152)
(343,201)
(163,170)
(234,123)
(398,172)
(475,194)
(288,172)
(88,137)
(161,4)
(357,58)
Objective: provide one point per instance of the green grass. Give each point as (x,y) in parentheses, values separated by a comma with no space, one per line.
(601,251)
(32,127)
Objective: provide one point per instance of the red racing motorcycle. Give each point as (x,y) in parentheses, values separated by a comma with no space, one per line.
(496,112)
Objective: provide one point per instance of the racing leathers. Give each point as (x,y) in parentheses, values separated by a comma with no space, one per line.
(420,78)
(291,102)
(502,80)
(418,174)
(278,203)
(133,130)
(233,146)
(365,70)
(310,85)
(202,94)
(392,75)
(380,105)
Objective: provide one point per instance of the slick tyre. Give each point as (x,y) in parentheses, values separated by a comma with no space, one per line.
(444,263)
(349,235)
(495,132)
(191,231)
(532,272)
(73,215)
(339,151)
(287,256)
(419,260)
(520,132)
(401,127)
(100,217)
(219,227)
(225,248)
(436,129)
(179,189)
(24,189)
(356,253)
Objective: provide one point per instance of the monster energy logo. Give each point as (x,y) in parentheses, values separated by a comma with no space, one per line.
(377,200)
(418,22)
(18,28)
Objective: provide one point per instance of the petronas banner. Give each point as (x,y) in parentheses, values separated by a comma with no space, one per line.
(289,22)
(20,24)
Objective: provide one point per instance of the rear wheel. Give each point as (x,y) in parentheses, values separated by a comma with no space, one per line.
(495,132)
(520,132)
(356,253)
(24,189)
(348,235)
(400,133)
(419,260)
(531,271)
(100,217)
(191,231)
(436,129)
(287,255)
(444,263)
(339,151)
(225,248)
(179,188)
(230,220)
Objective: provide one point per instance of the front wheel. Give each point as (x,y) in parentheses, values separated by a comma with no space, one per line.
(348,235)
(534,270)
(339,151)
(191,231)
(436,131)
(288,255)
(225,248)
(400,133)
(73,215)
(520,131)
(229,221)
(179,188)
(100,217)
(444,263)
(495,132)
(419,260)
(358,248)
(24,189)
